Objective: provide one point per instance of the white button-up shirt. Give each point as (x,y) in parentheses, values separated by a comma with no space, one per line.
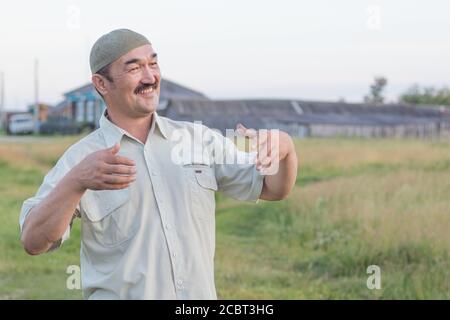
(156,238)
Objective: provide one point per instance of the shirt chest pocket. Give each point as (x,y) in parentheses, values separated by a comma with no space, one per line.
(111,217)
(203,184)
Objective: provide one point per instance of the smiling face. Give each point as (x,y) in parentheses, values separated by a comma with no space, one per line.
(135,87)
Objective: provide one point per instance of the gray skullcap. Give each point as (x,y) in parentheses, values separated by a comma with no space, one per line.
(111,46)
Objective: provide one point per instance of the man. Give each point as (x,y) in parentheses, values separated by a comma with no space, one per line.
(148,225)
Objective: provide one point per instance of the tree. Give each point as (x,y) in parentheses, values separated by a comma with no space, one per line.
(426,96)
(376,91)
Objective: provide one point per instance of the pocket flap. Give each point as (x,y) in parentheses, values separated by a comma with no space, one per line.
(206,178)
(97,204)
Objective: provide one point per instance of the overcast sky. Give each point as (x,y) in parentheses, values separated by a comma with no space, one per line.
(321,50)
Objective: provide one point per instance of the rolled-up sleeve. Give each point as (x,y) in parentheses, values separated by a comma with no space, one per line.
(239,178)
(50,181)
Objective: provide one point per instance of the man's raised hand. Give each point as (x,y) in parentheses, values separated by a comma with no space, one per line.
(105,170)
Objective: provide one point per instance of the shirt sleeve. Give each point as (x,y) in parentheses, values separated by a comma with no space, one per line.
(50,181)
(236,175)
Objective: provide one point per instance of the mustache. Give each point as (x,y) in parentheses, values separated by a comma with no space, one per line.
(145,86)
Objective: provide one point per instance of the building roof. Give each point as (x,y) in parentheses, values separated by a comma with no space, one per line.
(172,90)
(223,114)
(60,107)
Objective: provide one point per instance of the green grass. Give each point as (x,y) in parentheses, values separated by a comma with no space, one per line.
(356,203)
(23,276)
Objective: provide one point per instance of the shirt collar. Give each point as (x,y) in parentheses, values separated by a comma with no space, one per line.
(113,133)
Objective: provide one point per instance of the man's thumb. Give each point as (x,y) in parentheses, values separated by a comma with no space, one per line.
(242,130)
(115,148)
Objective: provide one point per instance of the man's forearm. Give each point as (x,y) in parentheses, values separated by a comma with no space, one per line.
(279,185)
(47,221)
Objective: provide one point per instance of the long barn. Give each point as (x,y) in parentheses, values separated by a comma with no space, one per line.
(316,119)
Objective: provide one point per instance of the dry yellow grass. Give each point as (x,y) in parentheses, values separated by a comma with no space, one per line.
(344,154)
(29,152)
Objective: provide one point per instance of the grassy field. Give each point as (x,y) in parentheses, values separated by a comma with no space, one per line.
(356,203)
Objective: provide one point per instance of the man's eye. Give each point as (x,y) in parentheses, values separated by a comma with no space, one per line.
(134,69)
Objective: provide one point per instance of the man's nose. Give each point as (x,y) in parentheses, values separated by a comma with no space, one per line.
(148,75)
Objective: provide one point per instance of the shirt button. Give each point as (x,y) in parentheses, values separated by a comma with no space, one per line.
(174,254)
(153,173)
(168,226)
(179,283)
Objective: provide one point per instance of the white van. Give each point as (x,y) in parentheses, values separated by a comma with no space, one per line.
(21,123)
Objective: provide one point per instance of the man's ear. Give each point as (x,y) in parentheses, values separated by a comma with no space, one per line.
(100,84)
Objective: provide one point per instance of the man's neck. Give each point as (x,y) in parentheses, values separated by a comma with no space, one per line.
(137,127)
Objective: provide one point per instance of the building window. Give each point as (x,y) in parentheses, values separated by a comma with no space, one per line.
(90,111)
(80,111)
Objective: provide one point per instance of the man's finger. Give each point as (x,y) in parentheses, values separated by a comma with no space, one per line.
(268,144)
(240,129)
(243,131)
(266,161)
(120,160)
(119,169)
(272,168)
(263,161)
(263,137)
(115,179)
(263,149)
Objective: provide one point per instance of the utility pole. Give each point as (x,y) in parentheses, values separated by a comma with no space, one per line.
(2,98)
(36,96)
